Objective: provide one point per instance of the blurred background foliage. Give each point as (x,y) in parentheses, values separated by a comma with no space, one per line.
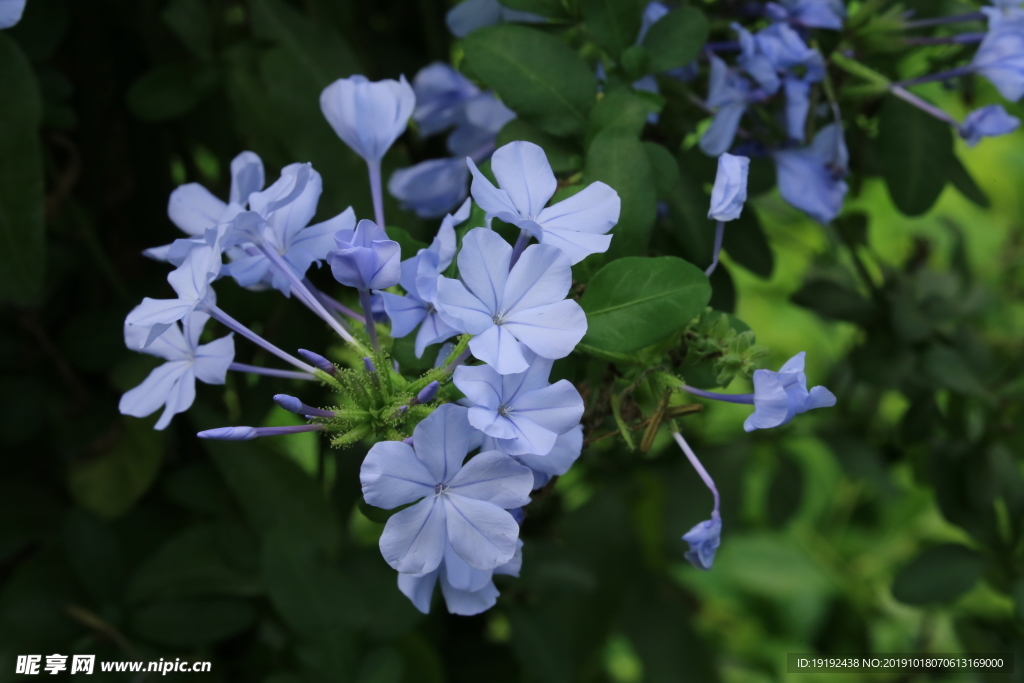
(891,523)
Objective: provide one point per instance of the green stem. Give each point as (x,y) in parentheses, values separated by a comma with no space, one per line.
(855,68)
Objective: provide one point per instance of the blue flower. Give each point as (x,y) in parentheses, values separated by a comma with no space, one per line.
(368,116)
(464,505)
(522,411)
(809,13)
(285,209)
(441,92)
(431,188)
(729,93)
(468,16)
(781,396)
(173,384)
(704,539)
(557,462)
(365,257)
(191,282)
(467,591)
(510,311)
(577,225)
(730,190)
(990,121)
(194,209)
(481,120)
(10,12)
(1000,57)
(419,279)
(811,178)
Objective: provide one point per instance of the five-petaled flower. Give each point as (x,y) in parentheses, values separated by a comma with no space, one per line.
(464,505)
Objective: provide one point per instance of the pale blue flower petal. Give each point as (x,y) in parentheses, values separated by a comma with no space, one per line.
(368,116)
(442,441)
(495,477)
(468,603)
(212,360)
(541,276)
(247,176)
(470,15)
(391,475)
(730,190)
(159,388)
(194,209)
(522,170)
(579,224)
(498,347)
(405,313)
(440,92)
(481,533)
(990,121)
(704,539)
(431,188)
(460,575)
(419,588)
(461,309)
(551,331)
(413,541)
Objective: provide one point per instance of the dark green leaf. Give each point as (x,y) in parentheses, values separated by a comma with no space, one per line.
(165,93)
(94,553)
(191,623)
(564,156)
(22,232)
(545,8)
(786,491)
(853,227)
(676,39)
(916,151)
(323,55)
(110,483)
(190,21)
(619,159)
(747,245)
(194,562)
(965,184)
(310,595)
(634,302)
(664,169)
(834,301)
(620,110)
(536,74)
(939,574)
(613,23)
(947,368)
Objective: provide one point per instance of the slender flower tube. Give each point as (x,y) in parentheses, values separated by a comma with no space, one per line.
(705,537)
(232,324)
(248,433)
(270,372)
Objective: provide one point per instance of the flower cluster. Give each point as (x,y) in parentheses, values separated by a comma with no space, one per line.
(461,447)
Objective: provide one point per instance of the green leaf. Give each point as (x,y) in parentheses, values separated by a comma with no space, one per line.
(676,39)
(634,302)
(545,8)
(22,230)
(536,74)
(964,183)
(309,594)
(747,245)
(664,168)
(197,561)
(191,623)
(618,158)
(564,156)
(916,152)
(272,489)
(190,21)
(621,110)
(165,93)
(613,23)
(834,301)
(939,574)
(323,55)
(94,553)
(110,483)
